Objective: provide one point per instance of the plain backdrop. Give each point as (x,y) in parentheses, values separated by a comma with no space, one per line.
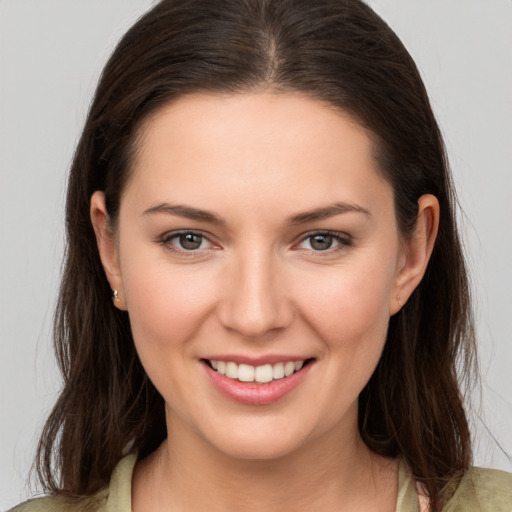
(51,53)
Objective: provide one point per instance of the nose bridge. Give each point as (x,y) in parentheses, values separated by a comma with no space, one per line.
(255,301)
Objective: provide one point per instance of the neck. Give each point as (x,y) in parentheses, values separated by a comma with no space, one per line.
(337,469)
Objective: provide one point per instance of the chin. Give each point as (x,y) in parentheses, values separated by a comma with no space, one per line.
(259,450)
(261,442)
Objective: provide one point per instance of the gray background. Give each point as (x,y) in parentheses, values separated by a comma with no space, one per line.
(51,53)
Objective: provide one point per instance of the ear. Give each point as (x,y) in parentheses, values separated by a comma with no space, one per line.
(107,247)
(417,250)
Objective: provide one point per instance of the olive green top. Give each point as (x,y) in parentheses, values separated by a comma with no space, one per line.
(481,490)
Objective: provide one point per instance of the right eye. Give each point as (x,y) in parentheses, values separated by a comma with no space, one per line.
(186,241)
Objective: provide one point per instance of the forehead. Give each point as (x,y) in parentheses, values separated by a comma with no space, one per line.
(277,145)
(267,119)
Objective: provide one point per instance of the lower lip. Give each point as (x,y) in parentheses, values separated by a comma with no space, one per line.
(251,393)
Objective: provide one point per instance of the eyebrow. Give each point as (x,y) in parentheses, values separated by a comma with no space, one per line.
(328,211)
(192,213)
(186,211)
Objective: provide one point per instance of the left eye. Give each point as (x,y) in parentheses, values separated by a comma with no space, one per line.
(323,241)
(188,241)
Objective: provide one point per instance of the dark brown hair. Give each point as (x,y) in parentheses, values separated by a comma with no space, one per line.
(337,51)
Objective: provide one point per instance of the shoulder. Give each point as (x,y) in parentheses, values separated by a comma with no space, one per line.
(94,503)
(114,498)
(483,490)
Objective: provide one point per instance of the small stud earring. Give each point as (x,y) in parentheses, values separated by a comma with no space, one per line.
(115,295)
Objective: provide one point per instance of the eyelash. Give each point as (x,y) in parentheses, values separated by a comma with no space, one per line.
(168,237)
(342,239)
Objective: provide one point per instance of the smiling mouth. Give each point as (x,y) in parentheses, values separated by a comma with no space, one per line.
(263,374)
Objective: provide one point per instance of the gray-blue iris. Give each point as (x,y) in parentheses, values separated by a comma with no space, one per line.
(321,242)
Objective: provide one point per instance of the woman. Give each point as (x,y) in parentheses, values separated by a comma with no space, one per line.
(264,297)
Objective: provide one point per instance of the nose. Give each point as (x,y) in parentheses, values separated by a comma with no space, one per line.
(255,302)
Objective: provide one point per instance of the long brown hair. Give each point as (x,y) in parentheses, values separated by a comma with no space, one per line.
(338,51)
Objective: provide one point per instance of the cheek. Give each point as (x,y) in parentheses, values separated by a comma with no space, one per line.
(166,303)
(349,310)
(350,315)
(350,301)
(167,307)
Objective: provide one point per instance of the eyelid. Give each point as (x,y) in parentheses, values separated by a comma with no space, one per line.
(344,240)
(166,238)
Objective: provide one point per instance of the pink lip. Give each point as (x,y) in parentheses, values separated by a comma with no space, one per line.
(251,393)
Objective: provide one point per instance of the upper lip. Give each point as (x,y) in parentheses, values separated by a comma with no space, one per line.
(256,360)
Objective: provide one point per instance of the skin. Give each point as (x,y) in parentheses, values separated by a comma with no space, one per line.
(257,286)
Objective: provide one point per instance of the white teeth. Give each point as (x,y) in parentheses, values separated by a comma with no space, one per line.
(289,368)
(245,373)
(260,374)
(263,373)
(232,370)
(278,371)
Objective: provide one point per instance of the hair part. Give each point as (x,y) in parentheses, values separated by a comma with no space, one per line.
(336,51)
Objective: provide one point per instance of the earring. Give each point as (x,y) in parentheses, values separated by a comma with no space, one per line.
(115,295)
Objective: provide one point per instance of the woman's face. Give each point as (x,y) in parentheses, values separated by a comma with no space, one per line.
(256,232)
